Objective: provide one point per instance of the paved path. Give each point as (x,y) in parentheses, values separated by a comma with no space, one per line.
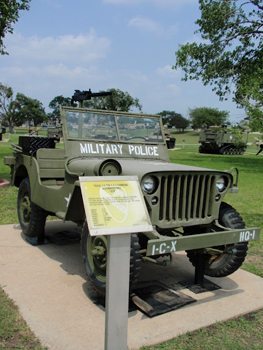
(49,287)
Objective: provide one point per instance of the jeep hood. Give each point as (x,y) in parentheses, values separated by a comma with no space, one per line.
(142,167)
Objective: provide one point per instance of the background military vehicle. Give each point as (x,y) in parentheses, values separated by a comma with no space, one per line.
(170,140)
(220,140)
(54,131)
(186,204)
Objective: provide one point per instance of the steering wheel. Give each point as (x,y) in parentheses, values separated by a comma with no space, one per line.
(138,137)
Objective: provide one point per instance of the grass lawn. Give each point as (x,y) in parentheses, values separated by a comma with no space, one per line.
(243,333)
(14,332)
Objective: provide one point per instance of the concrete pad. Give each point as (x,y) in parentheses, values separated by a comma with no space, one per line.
(48,285)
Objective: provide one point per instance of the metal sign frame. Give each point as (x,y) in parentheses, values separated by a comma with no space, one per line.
(115,206)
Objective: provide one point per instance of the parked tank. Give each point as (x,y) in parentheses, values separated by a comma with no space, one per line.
(220,140)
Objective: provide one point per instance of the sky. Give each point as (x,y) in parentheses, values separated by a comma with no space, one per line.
(59,46)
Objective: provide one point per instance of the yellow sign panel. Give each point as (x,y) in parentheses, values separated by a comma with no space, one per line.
(114,205)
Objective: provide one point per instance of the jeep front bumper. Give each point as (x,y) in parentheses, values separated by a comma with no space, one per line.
(202,240)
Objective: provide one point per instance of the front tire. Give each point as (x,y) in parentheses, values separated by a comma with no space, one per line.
(31,217)
(94,254)
(224,264)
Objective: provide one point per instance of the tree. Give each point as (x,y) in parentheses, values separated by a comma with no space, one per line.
(9,14)
(205,116)
(7,106)
(230,55)
(29,109)
(174,119)
(18,110)
(255,120)
(118,101)
(56,103)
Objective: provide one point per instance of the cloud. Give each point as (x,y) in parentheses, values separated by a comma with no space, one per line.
(48,72)
(145,23)
(51,80)
(149,25)
(174,89)
(83,48)
(44,67)
(165,71)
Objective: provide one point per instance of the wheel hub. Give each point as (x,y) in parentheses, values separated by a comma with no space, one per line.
(25,209)
(99,252)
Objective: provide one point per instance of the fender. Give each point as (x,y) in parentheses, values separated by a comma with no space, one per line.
(75,209)
(27,167)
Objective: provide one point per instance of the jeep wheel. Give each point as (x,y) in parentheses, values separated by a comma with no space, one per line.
(31,217)
(94,253)
(221,265)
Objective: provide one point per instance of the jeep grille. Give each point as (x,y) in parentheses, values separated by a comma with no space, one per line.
(185,197)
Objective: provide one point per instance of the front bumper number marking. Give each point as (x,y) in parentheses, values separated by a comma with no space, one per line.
(202,240)
(247,235)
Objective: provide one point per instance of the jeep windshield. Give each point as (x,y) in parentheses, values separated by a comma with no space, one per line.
(89,125)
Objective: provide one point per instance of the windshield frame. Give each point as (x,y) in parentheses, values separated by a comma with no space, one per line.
(160,139)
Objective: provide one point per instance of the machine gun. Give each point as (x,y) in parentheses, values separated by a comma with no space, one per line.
(80,96)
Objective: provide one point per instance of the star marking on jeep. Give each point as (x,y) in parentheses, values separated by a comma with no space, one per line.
(67,199)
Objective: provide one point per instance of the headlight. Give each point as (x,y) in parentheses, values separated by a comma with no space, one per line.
(149,184)
(221,183)
(110,167)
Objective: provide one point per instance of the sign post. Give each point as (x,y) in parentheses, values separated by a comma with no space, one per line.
(117,292)
(115,206)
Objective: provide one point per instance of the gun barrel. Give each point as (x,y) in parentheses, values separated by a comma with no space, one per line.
(80,96)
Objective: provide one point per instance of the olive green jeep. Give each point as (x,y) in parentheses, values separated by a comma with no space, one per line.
(185,203)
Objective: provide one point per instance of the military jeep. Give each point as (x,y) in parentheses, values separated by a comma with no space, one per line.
(185,203)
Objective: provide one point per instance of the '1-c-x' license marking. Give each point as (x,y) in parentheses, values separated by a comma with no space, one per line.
(164,247)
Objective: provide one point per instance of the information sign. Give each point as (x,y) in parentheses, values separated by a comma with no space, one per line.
(114,205)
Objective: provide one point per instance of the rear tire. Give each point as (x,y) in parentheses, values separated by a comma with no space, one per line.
(31,217)
(224,264)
